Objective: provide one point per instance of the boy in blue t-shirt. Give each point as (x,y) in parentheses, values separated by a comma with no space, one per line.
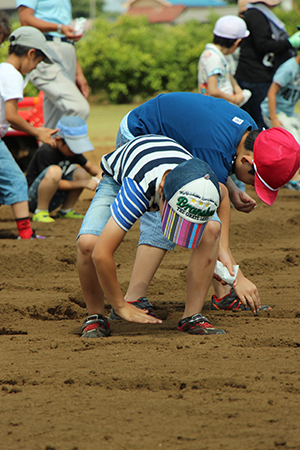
(278,106)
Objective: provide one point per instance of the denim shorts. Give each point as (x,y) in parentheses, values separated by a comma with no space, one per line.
(13,184)
(99,212)
(57,199)
(151,232)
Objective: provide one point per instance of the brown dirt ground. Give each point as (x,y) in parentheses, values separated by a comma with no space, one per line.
(150,387)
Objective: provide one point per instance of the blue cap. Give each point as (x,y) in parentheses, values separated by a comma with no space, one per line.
(74,131)
(192,196)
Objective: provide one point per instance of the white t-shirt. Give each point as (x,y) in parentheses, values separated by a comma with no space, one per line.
(213,62)
(11,86)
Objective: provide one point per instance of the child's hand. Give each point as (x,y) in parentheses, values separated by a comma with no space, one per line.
(242,201)
(45,135)
(92,184)
(239,97)
(276,123)
(247,292)
(133,314)
(224,257)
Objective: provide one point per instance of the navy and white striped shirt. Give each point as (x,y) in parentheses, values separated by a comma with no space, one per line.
(138,167)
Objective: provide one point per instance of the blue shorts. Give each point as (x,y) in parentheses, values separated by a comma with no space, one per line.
(99,212)
(13,184)
(57,199)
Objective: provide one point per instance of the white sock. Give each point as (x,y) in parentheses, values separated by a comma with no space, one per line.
(39,210)
(65,211)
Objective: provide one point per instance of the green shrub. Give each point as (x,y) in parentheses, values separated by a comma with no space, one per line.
(131,57)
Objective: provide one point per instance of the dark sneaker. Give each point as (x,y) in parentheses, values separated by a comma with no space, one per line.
(141,303)
(95,326)
(231,301)
(197,324)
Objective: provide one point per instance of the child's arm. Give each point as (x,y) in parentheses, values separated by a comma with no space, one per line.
(214,91)
(236,87)
(224,215)
(244,288)
(93,170)
(17,122)
(103,258)
(274,89)
(69,185)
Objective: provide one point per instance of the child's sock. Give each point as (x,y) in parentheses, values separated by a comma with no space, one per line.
(65,211)
(39,210)
(24,228)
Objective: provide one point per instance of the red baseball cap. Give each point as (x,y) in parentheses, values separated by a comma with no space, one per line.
(276,159)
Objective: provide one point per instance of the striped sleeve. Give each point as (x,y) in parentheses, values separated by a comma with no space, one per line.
(129,205)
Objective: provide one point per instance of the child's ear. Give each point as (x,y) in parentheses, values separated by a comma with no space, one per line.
(237,42)
(31,53)
(162,183)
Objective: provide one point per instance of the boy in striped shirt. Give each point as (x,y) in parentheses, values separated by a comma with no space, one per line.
(152,173)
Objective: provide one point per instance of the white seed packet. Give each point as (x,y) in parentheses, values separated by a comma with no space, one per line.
(79,25)
(223,273)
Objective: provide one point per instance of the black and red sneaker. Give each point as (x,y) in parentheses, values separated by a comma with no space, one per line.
(197,324)
(140,303)
(231,301)
(95,326)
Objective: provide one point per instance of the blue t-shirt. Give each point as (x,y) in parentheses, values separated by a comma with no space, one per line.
(288,78)
(55,11)
(208,128)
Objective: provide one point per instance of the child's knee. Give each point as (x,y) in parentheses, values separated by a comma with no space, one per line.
(54,173)
(80,174)
(212,230)
(85,245)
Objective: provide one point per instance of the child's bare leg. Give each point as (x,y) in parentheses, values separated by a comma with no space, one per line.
(220,290)
(201,268)
(20,210)
(72,197)
(92,292)
(147,261)
(48,186)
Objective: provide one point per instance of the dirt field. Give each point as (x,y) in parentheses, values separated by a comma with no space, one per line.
(150,387)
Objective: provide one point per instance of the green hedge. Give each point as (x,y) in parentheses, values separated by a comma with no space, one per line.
(131,57)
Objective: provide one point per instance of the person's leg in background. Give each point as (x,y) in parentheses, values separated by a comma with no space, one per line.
(252,107)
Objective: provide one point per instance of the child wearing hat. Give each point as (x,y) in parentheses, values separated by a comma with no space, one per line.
(214,77)
(152,173)
(28,47)
(225,137)
(54,176)
(278,107)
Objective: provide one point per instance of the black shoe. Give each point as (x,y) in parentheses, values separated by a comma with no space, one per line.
(231,301)
(95,326)
(141,303)
(197,324)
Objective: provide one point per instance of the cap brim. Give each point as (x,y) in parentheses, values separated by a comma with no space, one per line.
(47,56)
(265,194)
(180,231)
(78,144)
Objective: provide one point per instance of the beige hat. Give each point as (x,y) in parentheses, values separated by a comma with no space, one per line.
(33,38)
